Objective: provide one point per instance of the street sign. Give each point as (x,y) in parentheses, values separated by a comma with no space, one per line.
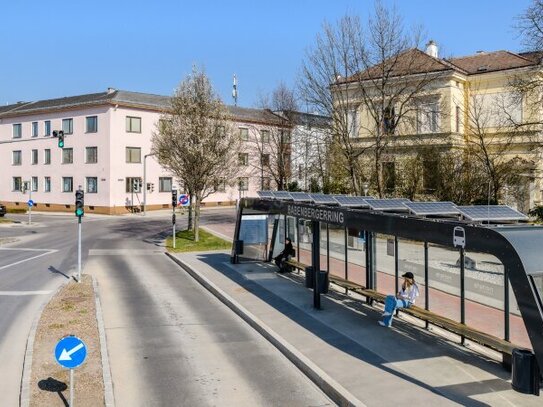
(184,200)
(30,203)
(70,352)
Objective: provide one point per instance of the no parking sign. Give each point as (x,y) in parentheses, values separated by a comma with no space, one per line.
(184,200)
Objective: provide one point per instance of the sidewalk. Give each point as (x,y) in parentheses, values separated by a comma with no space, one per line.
(349,351)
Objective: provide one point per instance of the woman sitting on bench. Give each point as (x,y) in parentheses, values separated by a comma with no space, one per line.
(287,252)
(404,299)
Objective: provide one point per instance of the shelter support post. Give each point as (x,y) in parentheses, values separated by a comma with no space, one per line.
(327,247)
(315,263)
(346,259)
(426,278)
(234,259)
(396,265)
(298,239)
(462,291)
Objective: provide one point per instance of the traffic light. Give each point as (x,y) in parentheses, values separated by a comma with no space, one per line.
(60,135)
(135,185)
(150,187)
(174,198)
(79,203)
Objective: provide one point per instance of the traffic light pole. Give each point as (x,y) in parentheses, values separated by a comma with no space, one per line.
(79,250)
(30,207)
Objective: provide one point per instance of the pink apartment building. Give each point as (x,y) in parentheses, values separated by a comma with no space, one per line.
(107,138)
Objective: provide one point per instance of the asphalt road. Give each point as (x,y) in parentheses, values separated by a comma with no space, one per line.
(169,341)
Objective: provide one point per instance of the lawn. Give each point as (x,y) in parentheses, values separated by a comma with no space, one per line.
(4,220)
(185,242)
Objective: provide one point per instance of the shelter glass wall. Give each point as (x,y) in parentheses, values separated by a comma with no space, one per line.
(411,258)
(444,276)
(337,250)
(356,257)
(324,246)
(384,263)
(305,236)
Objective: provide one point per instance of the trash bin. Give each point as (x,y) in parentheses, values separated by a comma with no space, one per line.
(324,281)
(309,277)
(525,374)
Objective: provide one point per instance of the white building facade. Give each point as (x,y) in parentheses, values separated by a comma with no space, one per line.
(107,139)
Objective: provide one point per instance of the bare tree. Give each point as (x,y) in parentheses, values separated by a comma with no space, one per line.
(194,140)
(530,26)
(377,77)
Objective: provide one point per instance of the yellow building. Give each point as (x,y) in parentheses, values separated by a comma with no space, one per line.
(418,100)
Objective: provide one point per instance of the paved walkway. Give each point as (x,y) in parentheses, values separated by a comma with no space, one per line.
(378,366)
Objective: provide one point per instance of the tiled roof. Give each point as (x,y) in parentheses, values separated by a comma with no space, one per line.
(492,61)
(127,98)
(304,119)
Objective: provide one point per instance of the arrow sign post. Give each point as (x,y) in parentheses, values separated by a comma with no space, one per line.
(70,353)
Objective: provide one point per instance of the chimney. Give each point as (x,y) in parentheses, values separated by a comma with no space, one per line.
(431,49)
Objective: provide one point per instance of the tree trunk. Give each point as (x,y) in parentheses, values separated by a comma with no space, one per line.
(189,220)
(196,219)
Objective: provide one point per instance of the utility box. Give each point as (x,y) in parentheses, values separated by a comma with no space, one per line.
(525,375)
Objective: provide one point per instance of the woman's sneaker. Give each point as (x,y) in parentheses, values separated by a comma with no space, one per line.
(382,323)
(387,314)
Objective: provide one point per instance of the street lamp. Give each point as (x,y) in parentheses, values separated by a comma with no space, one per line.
(365,188)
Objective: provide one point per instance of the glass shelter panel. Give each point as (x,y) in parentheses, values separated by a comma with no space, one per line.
(411,258)
(356,256)
(384,263)
(305,236)
(444,281)
(254,233)
(337,250)
(324,247)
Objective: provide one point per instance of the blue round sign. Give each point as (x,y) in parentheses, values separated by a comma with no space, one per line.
(30,203)
(70,352)
(184,200)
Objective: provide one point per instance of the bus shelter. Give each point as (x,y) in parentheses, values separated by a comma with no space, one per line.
(485,273)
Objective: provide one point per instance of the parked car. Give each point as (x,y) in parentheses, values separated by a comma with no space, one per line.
(2,210)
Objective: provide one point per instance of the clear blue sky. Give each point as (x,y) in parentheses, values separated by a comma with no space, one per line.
(54,48)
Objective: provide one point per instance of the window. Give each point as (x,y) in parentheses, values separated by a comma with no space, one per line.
(244,133)
(34,129)
(91,124)
(16,157)
(133,184)
(92,185)
(47,184)
(457,124)
(389,120)
(91,155)
(47,156)
(68,126)
(265,159)
(133,154)
(220,185)
(428,118)
(47,128)
(266,183)
(265,135)
(34,157)
(243,159)
(300,171)
(34,184)
(17,130)
(243,183)
(165,184)
(389,176)
(287,163)
(67,156)
(352,123)
(67,184)
(285,136)
(133,124)
(17,183)
(221,131)
(497,109)
(430,175)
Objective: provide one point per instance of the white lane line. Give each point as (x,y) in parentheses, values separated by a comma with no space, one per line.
(30,258)
(26,249)
(19,293)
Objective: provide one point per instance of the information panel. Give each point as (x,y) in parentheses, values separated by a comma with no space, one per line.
(254,229)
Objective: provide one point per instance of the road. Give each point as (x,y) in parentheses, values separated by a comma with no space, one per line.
(169,341)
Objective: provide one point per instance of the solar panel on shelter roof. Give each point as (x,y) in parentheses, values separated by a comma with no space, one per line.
(395,204)
(491,213)
(265,194)
(300,197)
(432,208)
(323,199)
(283,195)
(351,201)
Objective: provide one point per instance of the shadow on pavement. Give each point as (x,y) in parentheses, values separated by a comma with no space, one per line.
(54,386)
(427,343)
(57,271)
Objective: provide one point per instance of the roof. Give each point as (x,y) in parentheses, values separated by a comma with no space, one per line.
(494,61)
(415,61)
(130,99)
(305,119)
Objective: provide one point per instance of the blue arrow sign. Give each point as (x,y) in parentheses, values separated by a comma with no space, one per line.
(70,352)
(30,203)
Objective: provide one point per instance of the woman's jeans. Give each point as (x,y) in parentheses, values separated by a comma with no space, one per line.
(392,304)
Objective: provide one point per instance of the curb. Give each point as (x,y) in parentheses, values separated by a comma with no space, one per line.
(24,395)
(109,398)
(335,391)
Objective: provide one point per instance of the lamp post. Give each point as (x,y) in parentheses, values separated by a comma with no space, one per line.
(365,188)
(145,180)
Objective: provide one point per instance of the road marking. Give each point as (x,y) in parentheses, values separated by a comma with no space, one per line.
(26,249)
(19,293)
(30,258)
(125,252)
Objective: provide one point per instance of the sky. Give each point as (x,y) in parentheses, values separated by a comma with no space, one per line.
(56,48)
